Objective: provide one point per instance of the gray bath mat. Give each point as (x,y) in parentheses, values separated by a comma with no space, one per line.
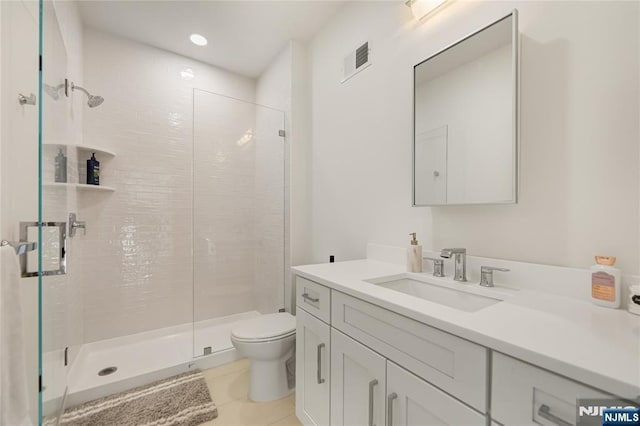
(182,400)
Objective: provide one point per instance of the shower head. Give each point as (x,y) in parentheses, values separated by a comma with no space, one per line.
(93,101)
(53,91)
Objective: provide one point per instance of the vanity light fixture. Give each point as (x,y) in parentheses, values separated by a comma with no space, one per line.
(422,8)
(198,40)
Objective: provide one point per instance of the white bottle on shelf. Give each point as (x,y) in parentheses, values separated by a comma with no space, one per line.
(414,255)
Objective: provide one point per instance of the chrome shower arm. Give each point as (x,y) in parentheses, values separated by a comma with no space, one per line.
(82,89)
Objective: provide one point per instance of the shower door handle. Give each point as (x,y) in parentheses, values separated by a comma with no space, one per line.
(319,370)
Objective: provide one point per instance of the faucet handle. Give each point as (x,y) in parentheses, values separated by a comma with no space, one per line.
(493,268)
(438,266)
(486,275)
(75,225)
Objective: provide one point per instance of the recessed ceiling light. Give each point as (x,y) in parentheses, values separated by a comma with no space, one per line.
(198,40)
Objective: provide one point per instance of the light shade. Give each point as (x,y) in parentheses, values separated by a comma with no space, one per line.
(422,8)
(198,40)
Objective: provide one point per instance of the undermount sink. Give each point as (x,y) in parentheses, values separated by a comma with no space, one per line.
(456,299)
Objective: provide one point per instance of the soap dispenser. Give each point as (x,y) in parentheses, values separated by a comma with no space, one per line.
(414,255)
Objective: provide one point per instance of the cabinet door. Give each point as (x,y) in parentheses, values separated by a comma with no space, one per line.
(411,402)
(313,349)
(357,383)
(450,363)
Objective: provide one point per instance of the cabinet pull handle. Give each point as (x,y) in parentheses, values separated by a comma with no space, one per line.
(308,298)
(545,413)
(390,399)
(372,384)
(320,379)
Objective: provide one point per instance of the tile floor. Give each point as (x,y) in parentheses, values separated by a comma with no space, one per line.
(229,387)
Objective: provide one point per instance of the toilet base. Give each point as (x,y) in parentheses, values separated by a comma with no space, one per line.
(268,341)
(268,379)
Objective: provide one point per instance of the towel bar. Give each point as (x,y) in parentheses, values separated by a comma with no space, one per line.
(20,246)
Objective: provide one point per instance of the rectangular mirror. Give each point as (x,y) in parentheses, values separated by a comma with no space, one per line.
(465,120)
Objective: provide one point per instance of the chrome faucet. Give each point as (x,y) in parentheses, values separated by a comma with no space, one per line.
(459,261)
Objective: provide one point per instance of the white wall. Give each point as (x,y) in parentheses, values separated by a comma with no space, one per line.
(300,154)
(137,259)
(300,162)
(579,134)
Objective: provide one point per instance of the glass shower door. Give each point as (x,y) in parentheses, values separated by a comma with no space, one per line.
(19,36)
(238,215)
(60,311)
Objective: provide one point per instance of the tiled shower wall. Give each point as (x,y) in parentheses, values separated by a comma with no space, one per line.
(136,260)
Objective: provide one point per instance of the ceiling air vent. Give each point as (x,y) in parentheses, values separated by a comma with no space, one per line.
(356,61)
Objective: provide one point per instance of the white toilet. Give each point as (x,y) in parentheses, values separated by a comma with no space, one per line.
(268,341)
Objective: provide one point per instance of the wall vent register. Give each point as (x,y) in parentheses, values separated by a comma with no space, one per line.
(356,61)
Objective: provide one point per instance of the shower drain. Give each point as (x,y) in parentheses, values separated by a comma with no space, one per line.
(107,371)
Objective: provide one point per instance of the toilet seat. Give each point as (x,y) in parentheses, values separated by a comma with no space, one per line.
(265,328)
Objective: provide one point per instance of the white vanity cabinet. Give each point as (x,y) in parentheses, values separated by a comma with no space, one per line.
(412,401)
(371,350)
(313,363)
(358,383)
(361,364)
(367,389)
(455,365)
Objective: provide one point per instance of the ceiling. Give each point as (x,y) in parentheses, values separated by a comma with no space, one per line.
(244,36)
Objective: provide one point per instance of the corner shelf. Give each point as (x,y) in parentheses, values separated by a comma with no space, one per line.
(79,186)
(85,148)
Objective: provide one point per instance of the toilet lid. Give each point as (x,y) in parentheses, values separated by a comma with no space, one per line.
(265,327)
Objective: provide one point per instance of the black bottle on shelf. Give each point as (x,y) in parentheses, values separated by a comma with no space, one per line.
(93,170)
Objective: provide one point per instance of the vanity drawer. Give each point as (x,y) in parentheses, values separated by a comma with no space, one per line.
(526,395)
(314,298)
(450,363)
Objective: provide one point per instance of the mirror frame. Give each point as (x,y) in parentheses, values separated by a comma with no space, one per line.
(515,43)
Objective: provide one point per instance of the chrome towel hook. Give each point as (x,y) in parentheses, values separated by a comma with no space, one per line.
(27,100)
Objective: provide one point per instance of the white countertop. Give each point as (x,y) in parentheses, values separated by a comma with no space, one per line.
(591,344)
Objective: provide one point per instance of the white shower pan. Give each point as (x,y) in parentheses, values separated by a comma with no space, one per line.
(145,357)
